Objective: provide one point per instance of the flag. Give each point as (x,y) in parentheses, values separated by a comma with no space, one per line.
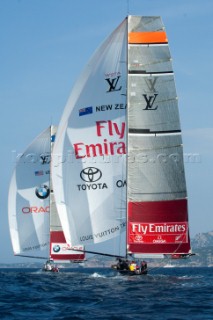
(39,173)
(53,138)
(84,111)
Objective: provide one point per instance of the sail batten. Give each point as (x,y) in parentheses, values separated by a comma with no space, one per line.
(149,132)
(147,37)
(141,72)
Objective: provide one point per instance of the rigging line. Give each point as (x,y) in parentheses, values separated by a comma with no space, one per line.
(126,135)
(143,72)
(98,253)
(162,263)
(127,7)
(148,131)
(35,257)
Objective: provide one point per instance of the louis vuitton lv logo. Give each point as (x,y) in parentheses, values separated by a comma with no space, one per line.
(150,101)
(151,84)
(113,83)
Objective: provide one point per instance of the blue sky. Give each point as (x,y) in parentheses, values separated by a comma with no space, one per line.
(45,45)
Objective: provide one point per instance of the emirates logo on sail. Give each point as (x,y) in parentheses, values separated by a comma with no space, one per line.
(150,228)
(104,147)
(158,233)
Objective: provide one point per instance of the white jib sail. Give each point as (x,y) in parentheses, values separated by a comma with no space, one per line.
(28,200)
(89,155)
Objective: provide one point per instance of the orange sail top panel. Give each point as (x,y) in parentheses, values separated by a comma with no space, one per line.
(147,37)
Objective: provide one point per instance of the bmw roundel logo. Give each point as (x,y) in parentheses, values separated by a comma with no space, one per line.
(91,174)
(56,248)
(42,192)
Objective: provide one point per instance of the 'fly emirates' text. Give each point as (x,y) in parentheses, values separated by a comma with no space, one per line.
(151,228)
(104,148)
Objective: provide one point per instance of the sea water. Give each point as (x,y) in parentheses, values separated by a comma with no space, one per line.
(99,293)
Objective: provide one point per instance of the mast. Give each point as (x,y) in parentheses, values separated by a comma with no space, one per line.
(51,198)
(127,125)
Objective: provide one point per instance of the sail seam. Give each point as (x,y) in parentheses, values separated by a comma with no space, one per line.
(34,257)
(149,72)
(156,44)
(148,131)
(153,193)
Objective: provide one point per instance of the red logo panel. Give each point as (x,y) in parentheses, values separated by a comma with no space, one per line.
(157,233)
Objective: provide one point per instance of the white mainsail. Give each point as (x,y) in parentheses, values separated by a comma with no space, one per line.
(121,128)
(157,204)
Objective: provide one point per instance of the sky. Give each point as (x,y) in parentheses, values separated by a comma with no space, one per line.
(45,44)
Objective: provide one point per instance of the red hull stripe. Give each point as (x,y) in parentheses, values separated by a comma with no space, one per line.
(59,249)
(70,257)
(57,236)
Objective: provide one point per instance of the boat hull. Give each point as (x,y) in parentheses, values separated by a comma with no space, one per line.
(53,270)
(126,272)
